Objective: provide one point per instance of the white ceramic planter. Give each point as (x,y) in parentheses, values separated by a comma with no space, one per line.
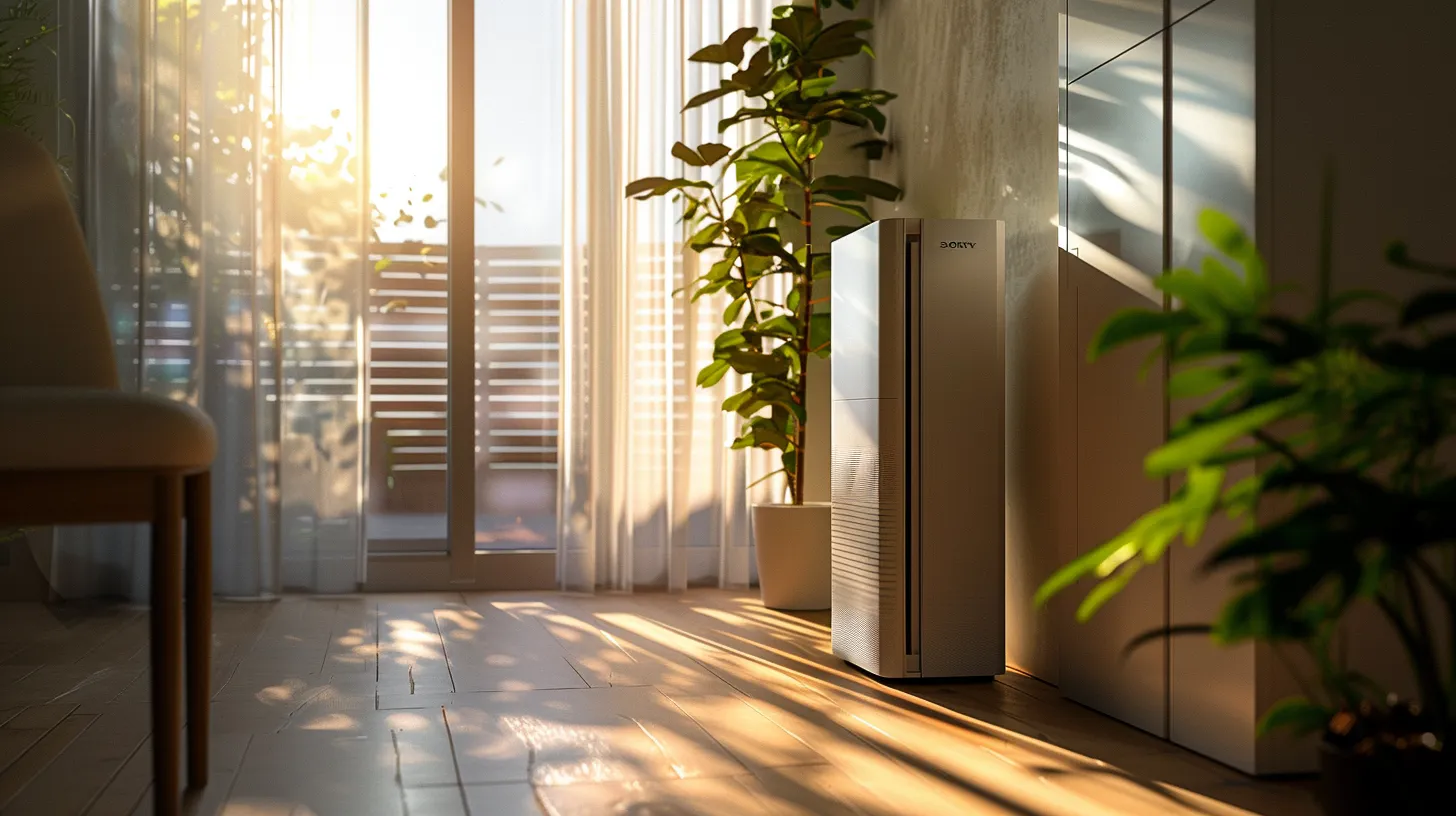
(792,543)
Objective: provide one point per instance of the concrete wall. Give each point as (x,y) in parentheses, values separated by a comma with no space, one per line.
(975,136)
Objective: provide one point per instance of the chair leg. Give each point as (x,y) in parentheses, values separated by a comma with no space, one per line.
(199,625)
(166,643)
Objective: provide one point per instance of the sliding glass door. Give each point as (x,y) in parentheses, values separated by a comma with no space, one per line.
(463,107)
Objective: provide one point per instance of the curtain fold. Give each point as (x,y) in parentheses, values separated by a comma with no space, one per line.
(235,230)
(650,494)
(177,212)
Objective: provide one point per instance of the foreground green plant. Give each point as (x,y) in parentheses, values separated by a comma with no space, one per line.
(754,209)
(1346,417)
(24,27)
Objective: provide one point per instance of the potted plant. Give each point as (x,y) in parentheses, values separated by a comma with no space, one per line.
(752,210)
(1347,417)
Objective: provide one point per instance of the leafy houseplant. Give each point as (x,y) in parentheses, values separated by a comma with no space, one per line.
(1346,416)
(756,213)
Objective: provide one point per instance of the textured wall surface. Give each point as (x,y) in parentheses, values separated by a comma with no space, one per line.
(975,136)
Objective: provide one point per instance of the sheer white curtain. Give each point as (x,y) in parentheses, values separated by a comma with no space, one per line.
(176,202)
(230,189)
(651,496)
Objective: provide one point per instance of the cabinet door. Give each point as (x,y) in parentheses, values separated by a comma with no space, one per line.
(1211,689)
(1115,417)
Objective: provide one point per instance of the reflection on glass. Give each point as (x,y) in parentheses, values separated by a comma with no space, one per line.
(1098,30)
(318,213)
(1213,121)
(1115,164)
(407,145)
(1062,126)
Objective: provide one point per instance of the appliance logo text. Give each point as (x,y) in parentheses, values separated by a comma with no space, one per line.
(957,244)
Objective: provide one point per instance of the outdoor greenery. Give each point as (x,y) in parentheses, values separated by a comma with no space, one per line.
(752,211)
(25,25)
(1349,415)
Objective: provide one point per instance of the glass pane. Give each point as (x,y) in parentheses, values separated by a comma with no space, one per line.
(1098,30)
(407,144)
(1213,122)
(1115,164)
(518,234)
(321,250)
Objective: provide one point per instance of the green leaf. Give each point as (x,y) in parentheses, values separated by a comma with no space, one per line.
(1130,325)
(708,96)
(713,151)
(643,185)
(1435,303)
(1200,500)
(730,51)
(1229,238)
(737,401)
(655,186)
(712,373)
(798,26)
(819,333)
(1196,293)
(769,160)
(859,184)
(749,361)
(688,155)
(1083,565)
(703,239)
(1296,714)
(1197,381)
(1227,287)
(1224,234)
(730,314)
(818,86)
(853,209)
(1209,439)
(790,461)
(782,326)
(1106,591)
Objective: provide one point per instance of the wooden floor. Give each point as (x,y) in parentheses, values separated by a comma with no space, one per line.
(502,704)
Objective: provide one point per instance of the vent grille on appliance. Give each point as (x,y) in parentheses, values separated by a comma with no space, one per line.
(865,567)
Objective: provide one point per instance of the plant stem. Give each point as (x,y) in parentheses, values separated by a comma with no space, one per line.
(806,306)
(805,284)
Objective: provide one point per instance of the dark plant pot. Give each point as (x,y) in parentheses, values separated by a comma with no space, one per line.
(1393,783)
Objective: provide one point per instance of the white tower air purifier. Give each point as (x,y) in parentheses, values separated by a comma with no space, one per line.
(918,487)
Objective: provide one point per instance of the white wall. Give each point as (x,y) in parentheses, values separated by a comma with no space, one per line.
(975,136)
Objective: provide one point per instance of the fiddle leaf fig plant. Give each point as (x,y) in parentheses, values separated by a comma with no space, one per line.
(755,210)
(1348,415)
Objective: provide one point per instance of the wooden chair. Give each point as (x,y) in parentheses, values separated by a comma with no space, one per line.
(76,449)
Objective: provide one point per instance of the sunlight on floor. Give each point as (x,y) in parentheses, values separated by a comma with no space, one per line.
(695,704)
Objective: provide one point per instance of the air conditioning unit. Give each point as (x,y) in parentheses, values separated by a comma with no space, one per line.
(918,459)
